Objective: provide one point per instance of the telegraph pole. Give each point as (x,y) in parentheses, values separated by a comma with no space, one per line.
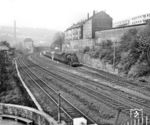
(117,117)
(114,55)
(59,105)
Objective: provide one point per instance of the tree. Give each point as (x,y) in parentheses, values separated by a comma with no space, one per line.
(3,71)
(136,44)
(5,43)
(5,65)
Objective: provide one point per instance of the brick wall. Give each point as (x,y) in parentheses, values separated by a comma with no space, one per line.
(115,34)
(101,21)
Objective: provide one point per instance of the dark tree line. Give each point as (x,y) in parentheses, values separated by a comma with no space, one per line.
(5,71)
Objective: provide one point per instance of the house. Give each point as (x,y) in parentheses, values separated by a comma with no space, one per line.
(86,29)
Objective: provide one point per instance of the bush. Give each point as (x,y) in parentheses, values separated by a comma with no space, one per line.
(94,53)
(136,44)
(86,49)
(103,51)
(139,69)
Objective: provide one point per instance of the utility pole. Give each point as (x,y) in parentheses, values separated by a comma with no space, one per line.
(59,105)
(117,117)
(114,55)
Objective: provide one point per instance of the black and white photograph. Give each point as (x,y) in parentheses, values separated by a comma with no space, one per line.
(74,62)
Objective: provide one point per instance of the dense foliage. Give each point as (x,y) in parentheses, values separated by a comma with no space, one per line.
(4,70)
(132,52)
(134,49)
(11,89)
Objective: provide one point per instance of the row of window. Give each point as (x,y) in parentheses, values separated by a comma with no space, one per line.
(137,22)
(127,22)
(145,15)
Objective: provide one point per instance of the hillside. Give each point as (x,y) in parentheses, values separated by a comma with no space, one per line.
(40,36)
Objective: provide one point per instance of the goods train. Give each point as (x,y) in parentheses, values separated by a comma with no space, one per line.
(66,58)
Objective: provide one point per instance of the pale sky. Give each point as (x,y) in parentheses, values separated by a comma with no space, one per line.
(60,14)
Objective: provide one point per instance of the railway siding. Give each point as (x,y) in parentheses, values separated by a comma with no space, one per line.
(142,102)
(43,87)
(105,82)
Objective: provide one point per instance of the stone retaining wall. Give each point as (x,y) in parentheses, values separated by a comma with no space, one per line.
(38,117)
(95,63)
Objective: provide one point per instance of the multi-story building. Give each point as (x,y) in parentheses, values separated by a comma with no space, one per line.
(99,21)
(87,28)
(133,21)
(75,32)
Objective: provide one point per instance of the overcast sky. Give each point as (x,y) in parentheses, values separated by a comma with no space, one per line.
(59,14)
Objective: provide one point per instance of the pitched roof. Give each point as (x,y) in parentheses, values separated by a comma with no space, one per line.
(82,22)
(76,25)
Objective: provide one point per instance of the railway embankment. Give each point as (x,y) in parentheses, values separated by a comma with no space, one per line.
(11,88)
(13,91)
(128,57)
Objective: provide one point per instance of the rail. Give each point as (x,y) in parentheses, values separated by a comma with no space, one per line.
(31,75)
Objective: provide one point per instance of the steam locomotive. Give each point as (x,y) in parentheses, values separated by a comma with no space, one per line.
(66,58)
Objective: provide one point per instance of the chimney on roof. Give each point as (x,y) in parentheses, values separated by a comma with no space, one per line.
(93,12)
(88,16)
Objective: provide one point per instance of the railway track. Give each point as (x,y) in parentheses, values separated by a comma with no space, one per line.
(116,80)
(66,107)
(113,78)
(139,101)
(136,99)
(102,97)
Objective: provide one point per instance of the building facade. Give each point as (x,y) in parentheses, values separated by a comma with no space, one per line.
(133,21)
(87,28)
(98,22)
(101,21)
(75,32)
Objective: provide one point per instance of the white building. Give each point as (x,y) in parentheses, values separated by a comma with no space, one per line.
(133,21)
(74,32)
